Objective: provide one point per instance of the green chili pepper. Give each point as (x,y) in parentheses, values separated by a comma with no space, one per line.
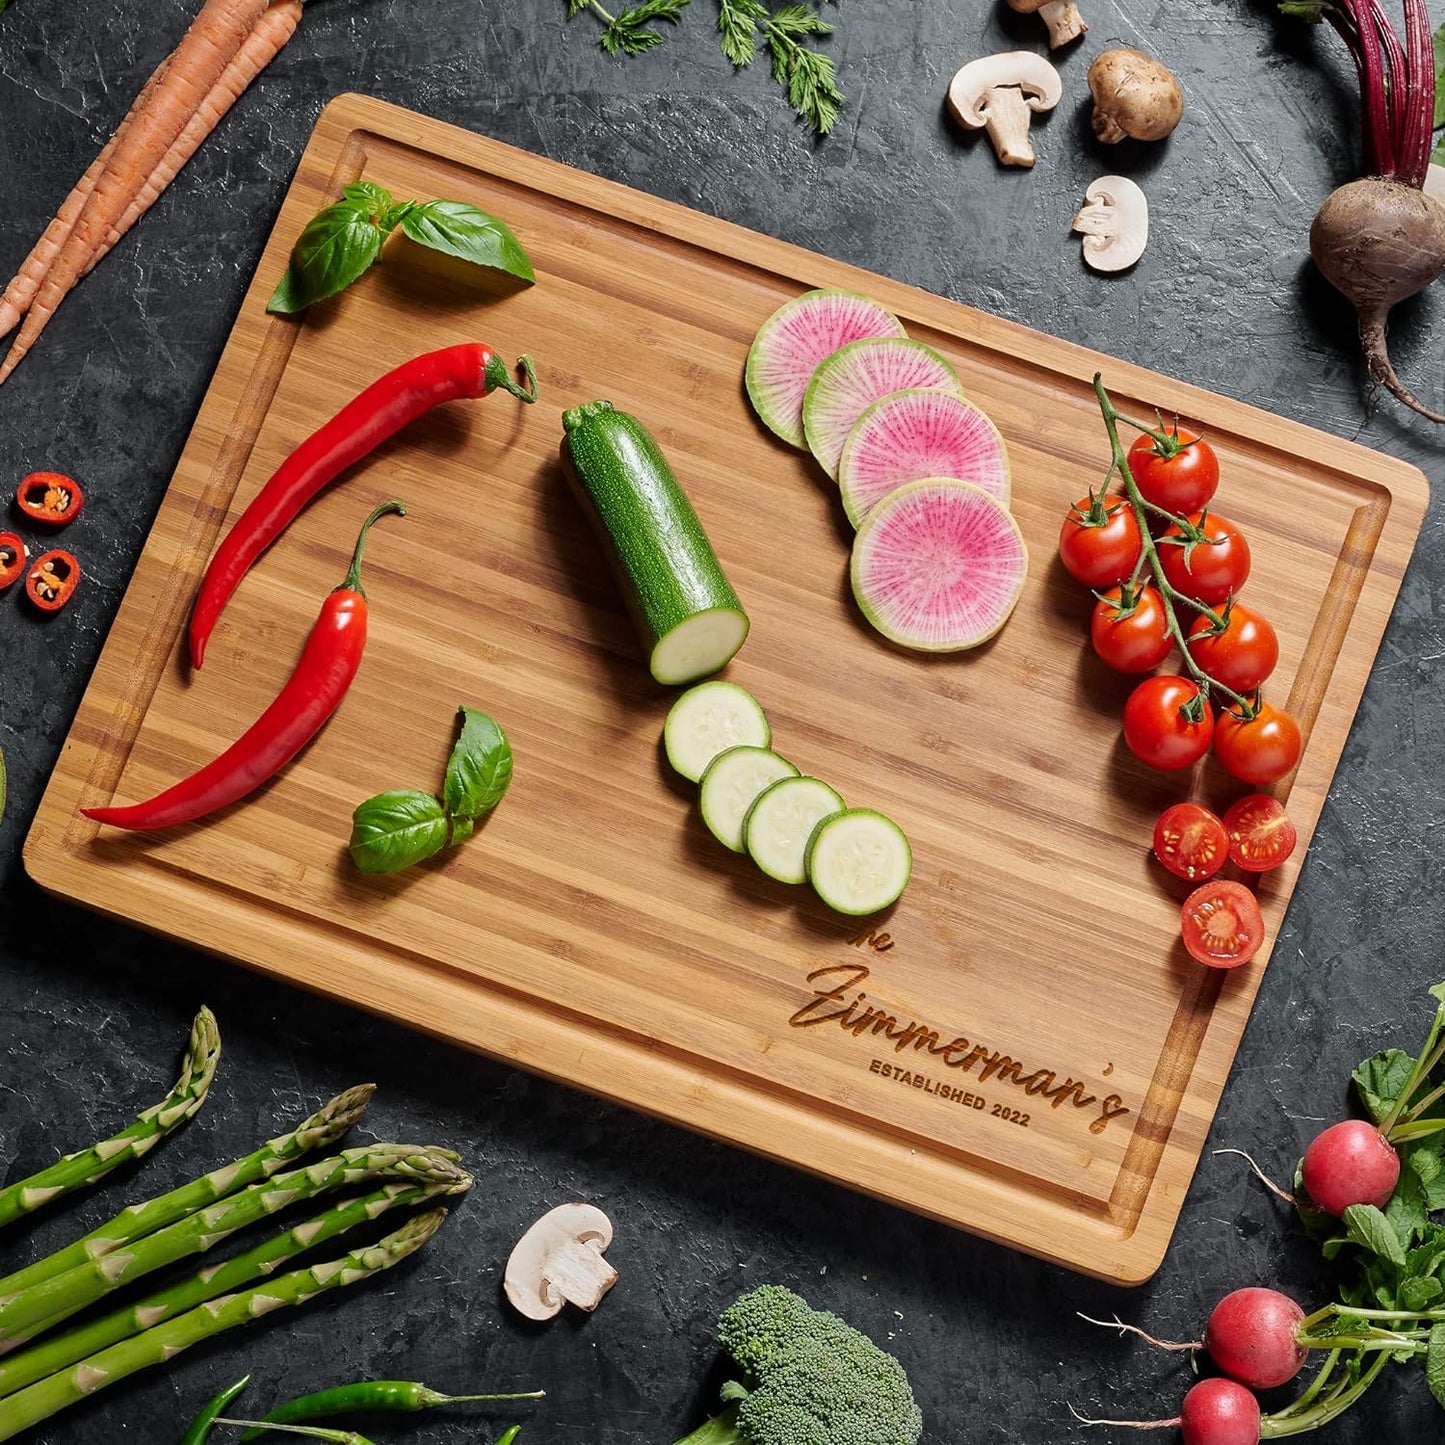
(200,1427)
(510,1435)
(312,1432)
(392,1395)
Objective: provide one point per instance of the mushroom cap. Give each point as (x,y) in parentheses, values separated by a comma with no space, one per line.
(1134,95)
(1114,223)
(524,1280)
(1027,7)
(968,91)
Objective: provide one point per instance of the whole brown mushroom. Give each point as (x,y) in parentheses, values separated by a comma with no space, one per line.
(1133,96)
(1061,16)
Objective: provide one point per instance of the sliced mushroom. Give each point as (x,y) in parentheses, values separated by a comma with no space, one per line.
(998,93)
(1061,16)
(559,1260)
(1114,223)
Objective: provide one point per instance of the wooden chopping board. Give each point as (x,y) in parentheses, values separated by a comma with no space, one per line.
(1022,1047)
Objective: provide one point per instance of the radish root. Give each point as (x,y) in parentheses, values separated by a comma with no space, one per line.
(1263,1178)
(1117,1324)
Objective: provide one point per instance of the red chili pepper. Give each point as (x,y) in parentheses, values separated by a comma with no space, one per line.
(311,694)
(50,498)
(51,578)
(13,554)
(379,412)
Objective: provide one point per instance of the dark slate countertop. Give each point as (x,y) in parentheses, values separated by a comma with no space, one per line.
(92,1014)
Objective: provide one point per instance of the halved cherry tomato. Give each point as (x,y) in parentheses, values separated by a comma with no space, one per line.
(1221,924)
(1180,473)
(1099,542)
(1190,841)
(1261,835)
(1131,636)
(1241,656)
(50,497)
(51,579)
(1212,568)
(13,553)
(1261,750)
(1156,728)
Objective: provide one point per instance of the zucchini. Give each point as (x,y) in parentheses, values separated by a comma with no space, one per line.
(859,861)
(707,720)
(690,619)
(732,781)
(780,822)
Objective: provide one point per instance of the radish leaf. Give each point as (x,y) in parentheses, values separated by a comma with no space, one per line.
(1372,1231)
(1435,1363)
(1380,1079)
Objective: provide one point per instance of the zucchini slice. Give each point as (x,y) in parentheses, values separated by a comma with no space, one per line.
(859,861)
(780,822)
(707,720)
(690,618)
(732,781)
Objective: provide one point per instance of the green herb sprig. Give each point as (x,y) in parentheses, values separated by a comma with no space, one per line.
(393,830)
(624,33)
(342,242)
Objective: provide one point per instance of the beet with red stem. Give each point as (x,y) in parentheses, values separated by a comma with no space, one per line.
(1381,239)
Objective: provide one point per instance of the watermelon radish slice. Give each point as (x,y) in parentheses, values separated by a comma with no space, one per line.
(938,565)
(854,377)
(914,434)
(794,339)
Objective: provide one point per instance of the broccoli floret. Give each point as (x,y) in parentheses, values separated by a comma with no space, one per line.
(809,1378)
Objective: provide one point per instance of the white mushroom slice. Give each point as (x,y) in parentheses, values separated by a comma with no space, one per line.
(1061,16)
(1114,223)
(559,1260)
(998,93)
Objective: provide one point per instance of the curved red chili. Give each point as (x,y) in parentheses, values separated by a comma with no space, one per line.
(51,579)
(13,556)
(379,412)
(311,694)
(50,498)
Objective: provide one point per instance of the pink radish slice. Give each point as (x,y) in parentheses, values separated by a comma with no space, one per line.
(854,377)
(793,340)
(938,565)
(914,434)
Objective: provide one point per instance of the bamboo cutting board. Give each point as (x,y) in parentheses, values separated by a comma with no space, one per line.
(1022,1047)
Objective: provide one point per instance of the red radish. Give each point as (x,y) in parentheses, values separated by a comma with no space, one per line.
(1350,1163)
(1219,1412)
(793,340)
(1252,1335)
(857,375)
(1382,239)
(908,435)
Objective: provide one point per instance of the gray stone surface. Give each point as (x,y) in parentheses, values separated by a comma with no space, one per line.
(91,1013)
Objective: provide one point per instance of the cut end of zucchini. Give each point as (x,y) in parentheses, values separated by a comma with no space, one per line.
(731,784)
(709,719)
(859,861)
(699,646)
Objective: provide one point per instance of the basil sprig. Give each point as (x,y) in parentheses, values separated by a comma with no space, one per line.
(395,829)
(343,241)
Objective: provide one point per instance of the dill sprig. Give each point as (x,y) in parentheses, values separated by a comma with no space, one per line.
(625,33)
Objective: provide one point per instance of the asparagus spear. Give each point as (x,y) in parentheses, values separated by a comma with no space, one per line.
(74,1171)
(45,1305)
(261,1260)
(329,1123)
(155,1346)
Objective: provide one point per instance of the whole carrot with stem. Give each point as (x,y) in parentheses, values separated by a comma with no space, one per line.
(204,52)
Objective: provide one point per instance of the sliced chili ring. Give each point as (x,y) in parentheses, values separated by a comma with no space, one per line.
(51,579)
(51,498)
(13,555)
(1261,835)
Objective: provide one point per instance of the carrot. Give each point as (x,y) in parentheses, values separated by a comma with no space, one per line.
(261,46)
(206,49)
(28,279)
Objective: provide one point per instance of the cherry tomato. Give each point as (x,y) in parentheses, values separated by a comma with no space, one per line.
(1132,639)
(1217,565)
(1100,554)
(1261,750)
(1156,729)
(1221,924)
(1241,656)
(1190,841)
(1261,835)
(1180,475)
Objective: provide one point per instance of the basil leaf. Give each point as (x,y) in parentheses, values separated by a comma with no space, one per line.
(1372,1231)
(1435,1363)
(338,245)
(394,830)
(367,198)
(479,771)
(458,229)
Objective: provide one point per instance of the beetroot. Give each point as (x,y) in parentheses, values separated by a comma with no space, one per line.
(1253,1336)
(1350,1163)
